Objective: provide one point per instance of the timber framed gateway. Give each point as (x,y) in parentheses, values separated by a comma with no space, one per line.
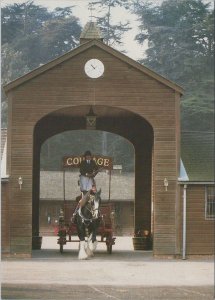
(129,100)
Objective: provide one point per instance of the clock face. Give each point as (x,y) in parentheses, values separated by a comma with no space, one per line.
(94,68)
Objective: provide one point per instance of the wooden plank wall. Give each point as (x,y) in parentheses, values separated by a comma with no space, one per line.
(200,232)
(122,86)
(5,224)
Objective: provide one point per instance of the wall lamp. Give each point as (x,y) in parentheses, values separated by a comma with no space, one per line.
(165,183)
(20,182)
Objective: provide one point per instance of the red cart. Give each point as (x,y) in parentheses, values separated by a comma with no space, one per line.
(66,228)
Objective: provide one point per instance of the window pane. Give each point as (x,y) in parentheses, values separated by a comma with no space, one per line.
(210,202)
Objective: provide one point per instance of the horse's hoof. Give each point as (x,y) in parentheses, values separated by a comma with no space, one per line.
(82,257)
(89,252)
(95,245)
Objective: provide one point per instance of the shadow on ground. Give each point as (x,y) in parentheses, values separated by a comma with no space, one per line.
(94,292)
(118,255)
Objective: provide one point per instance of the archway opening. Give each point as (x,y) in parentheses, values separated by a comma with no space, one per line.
(120,122)
(122,181)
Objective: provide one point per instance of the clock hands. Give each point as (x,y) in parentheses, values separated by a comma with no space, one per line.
(94,68)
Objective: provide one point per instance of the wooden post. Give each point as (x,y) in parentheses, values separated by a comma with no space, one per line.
(109,184)
(64,192)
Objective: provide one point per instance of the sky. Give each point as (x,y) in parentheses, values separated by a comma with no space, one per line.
(132,48)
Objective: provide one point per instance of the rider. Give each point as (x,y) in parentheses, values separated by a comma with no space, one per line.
(88,170)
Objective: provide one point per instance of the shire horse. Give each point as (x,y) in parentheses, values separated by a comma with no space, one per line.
(87,223)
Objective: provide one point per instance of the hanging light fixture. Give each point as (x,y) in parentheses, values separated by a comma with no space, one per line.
(91,119)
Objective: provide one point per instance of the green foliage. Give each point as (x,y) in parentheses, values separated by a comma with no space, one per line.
(32,36)
(180,37)
(58,36)
(13,66)
(38,34)
(112,33)
(22,19)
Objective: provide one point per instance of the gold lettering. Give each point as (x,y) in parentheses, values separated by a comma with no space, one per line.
(106,162)
(69,161)
(100,161)
(76,160)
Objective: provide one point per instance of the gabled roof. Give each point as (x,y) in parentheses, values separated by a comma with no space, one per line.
(82,48)
(197,152)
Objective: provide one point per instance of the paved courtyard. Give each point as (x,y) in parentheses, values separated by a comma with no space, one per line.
(125,274)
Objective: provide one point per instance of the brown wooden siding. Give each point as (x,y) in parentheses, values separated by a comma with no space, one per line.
(200,232)
(5,223)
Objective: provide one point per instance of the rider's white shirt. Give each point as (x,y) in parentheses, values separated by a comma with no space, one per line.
(86,183)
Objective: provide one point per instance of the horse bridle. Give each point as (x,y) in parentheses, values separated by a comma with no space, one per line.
(90,210)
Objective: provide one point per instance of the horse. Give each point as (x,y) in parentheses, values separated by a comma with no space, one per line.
(87,222)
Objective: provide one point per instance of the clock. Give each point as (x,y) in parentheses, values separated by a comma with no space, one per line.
(94,68)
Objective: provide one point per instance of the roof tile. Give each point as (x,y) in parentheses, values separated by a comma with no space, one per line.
(197,152)
(91,31)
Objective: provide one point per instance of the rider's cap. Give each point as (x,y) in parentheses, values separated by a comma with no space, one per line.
(87,153)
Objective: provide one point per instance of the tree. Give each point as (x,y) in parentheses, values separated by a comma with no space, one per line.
(58,36)
(21,20)
(180,46)
(38,34)
(32,36)
(12,66)
(112,33)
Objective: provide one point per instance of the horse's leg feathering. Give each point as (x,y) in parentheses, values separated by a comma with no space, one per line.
(89,248)
(82,253)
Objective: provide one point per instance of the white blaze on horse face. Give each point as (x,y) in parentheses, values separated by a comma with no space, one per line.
(96,208)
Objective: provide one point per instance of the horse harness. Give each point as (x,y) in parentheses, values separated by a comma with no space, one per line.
(85,220)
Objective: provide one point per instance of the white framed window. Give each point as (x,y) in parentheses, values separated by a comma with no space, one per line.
(210,202)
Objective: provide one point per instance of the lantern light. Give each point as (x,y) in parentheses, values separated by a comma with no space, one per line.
(91,119)
(165,183)
(20,182)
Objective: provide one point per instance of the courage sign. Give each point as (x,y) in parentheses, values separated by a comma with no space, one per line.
(73,161)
